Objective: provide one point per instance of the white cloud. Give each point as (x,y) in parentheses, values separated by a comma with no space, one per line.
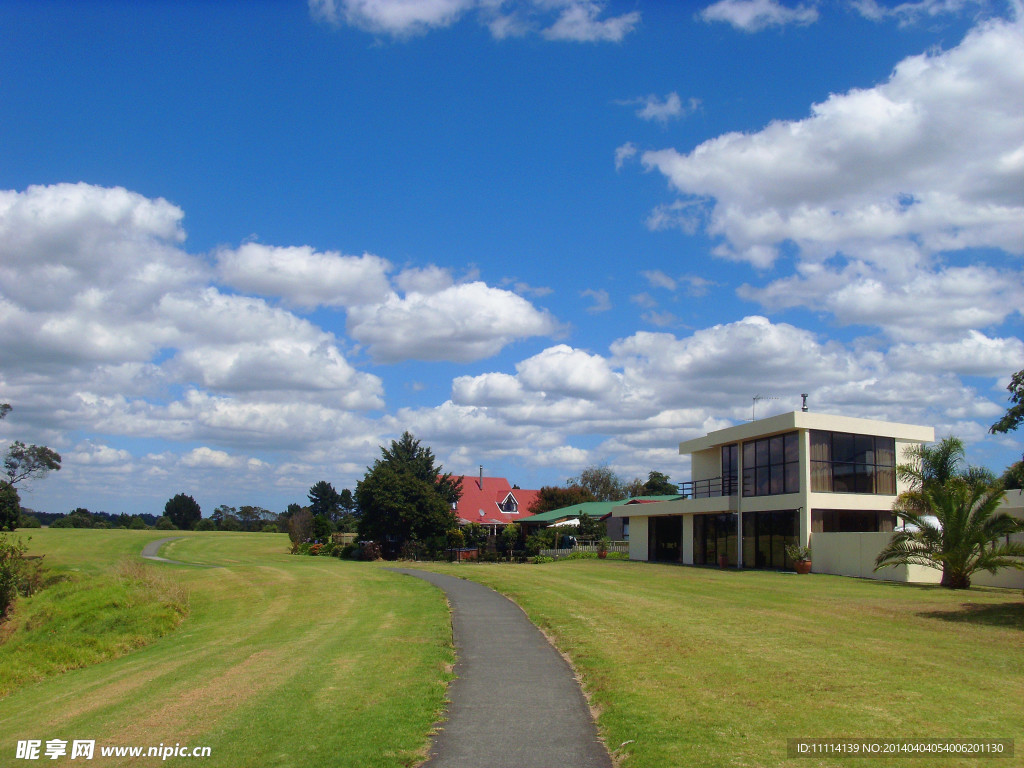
(626,152)
(209,457)
(463,322)
(907,303)
(910,13)
(568,372)
(570,20)
(602,301)
(654,389)
(652,107)
(303,277)
(401,18)
(755,15)
(428,280)
(659,279)
(579,21)
(930,160)
(973,355)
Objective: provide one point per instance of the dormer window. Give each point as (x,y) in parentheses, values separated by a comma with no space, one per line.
(509,505)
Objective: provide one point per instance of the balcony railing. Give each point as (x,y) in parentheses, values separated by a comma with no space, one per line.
(711,487)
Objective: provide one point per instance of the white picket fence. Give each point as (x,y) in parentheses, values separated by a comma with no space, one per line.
(613,546)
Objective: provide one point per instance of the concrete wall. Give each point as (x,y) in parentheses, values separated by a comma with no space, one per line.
(705,465)
(853,554)
(638,538)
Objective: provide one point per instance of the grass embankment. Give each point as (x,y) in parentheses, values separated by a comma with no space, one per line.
(282,660)
(719,668)
(79,620)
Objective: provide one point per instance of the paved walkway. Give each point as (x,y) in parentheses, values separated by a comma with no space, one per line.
(149,552)
(515,702)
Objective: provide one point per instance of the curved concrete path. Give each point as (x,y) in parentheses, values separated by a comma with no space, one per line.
(515,702)
(149,552)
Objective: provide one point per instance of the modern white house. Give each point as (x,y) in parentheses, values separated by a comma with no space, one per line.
(813,479)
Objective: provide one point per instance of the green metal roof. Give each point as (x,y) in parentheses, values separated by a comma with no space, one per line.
(592,508)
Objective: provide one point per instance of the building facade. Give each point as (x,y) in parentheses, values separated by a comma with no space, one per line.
(759,486)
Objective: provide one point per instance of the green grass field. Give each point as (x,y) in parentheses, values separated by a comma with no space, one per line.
(281,661)
(300,661)
(701,667)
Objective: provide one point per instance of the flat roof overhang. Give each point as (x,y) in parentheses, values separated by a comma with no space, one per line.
(787,422)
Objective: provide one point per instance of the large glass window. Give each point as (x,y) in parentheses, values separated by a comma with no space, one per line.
(845,463)
(714,536)
(730,468)
(771,465)
(765,536)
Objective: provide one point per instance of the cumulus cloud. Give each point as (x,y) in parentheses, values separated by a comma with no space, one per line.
(602,300)
(910,13)
(652,390)
(755,15)
(305,278)
(570,20)
(652,107)
(974,354)
(930,159)
(120,318)
(464,322)
(907,304)
(401,18)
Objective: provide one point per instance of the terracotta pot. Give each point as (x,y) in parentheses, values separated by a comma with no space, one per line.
(602,555)
(723,561)
(802,566)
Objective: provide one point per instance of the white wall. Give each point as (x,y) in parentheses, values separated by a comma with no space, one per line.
(853,554)
(637,537)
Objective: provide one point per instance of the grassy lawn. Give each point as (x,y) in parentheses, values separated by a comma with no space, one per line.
(281,660)
(700,667)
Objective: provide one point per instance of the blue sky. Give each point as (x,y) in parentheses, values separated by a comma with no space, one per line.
(244,244)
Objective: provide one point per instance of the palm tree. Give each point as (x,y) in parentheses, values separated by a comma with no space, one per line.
(950,519)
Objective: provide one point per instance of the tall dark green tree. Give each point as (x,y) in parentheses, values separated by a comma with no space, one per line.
(324,500)
(10,506)
(602,482)
(183,511)
(406,498)
(658,484)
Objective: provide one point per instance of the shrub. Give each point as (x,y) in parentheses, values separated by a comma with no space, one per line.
(371,551)
(269,528)
(29,521)
(349,552)
(165,524)
(540,559)
(206,524)
(19,575)
(62,522)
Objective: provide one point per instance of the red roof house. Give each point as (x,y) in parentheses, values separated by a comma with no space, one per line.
(492,502)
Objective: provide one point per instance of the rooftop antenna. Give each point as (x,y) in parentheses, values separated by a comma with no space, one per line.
(753,408)
(804,406)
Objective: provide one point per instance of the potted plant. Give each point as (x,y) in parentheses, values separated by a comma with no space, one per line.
(801,557)
(602,547)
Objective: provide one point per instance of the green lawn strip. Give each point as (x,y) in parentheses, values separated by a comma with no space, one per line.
(282,661)
(706,667)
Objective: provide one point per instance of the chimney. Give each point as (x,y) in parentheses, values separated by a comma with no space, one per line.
(481,477)
(804,407)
